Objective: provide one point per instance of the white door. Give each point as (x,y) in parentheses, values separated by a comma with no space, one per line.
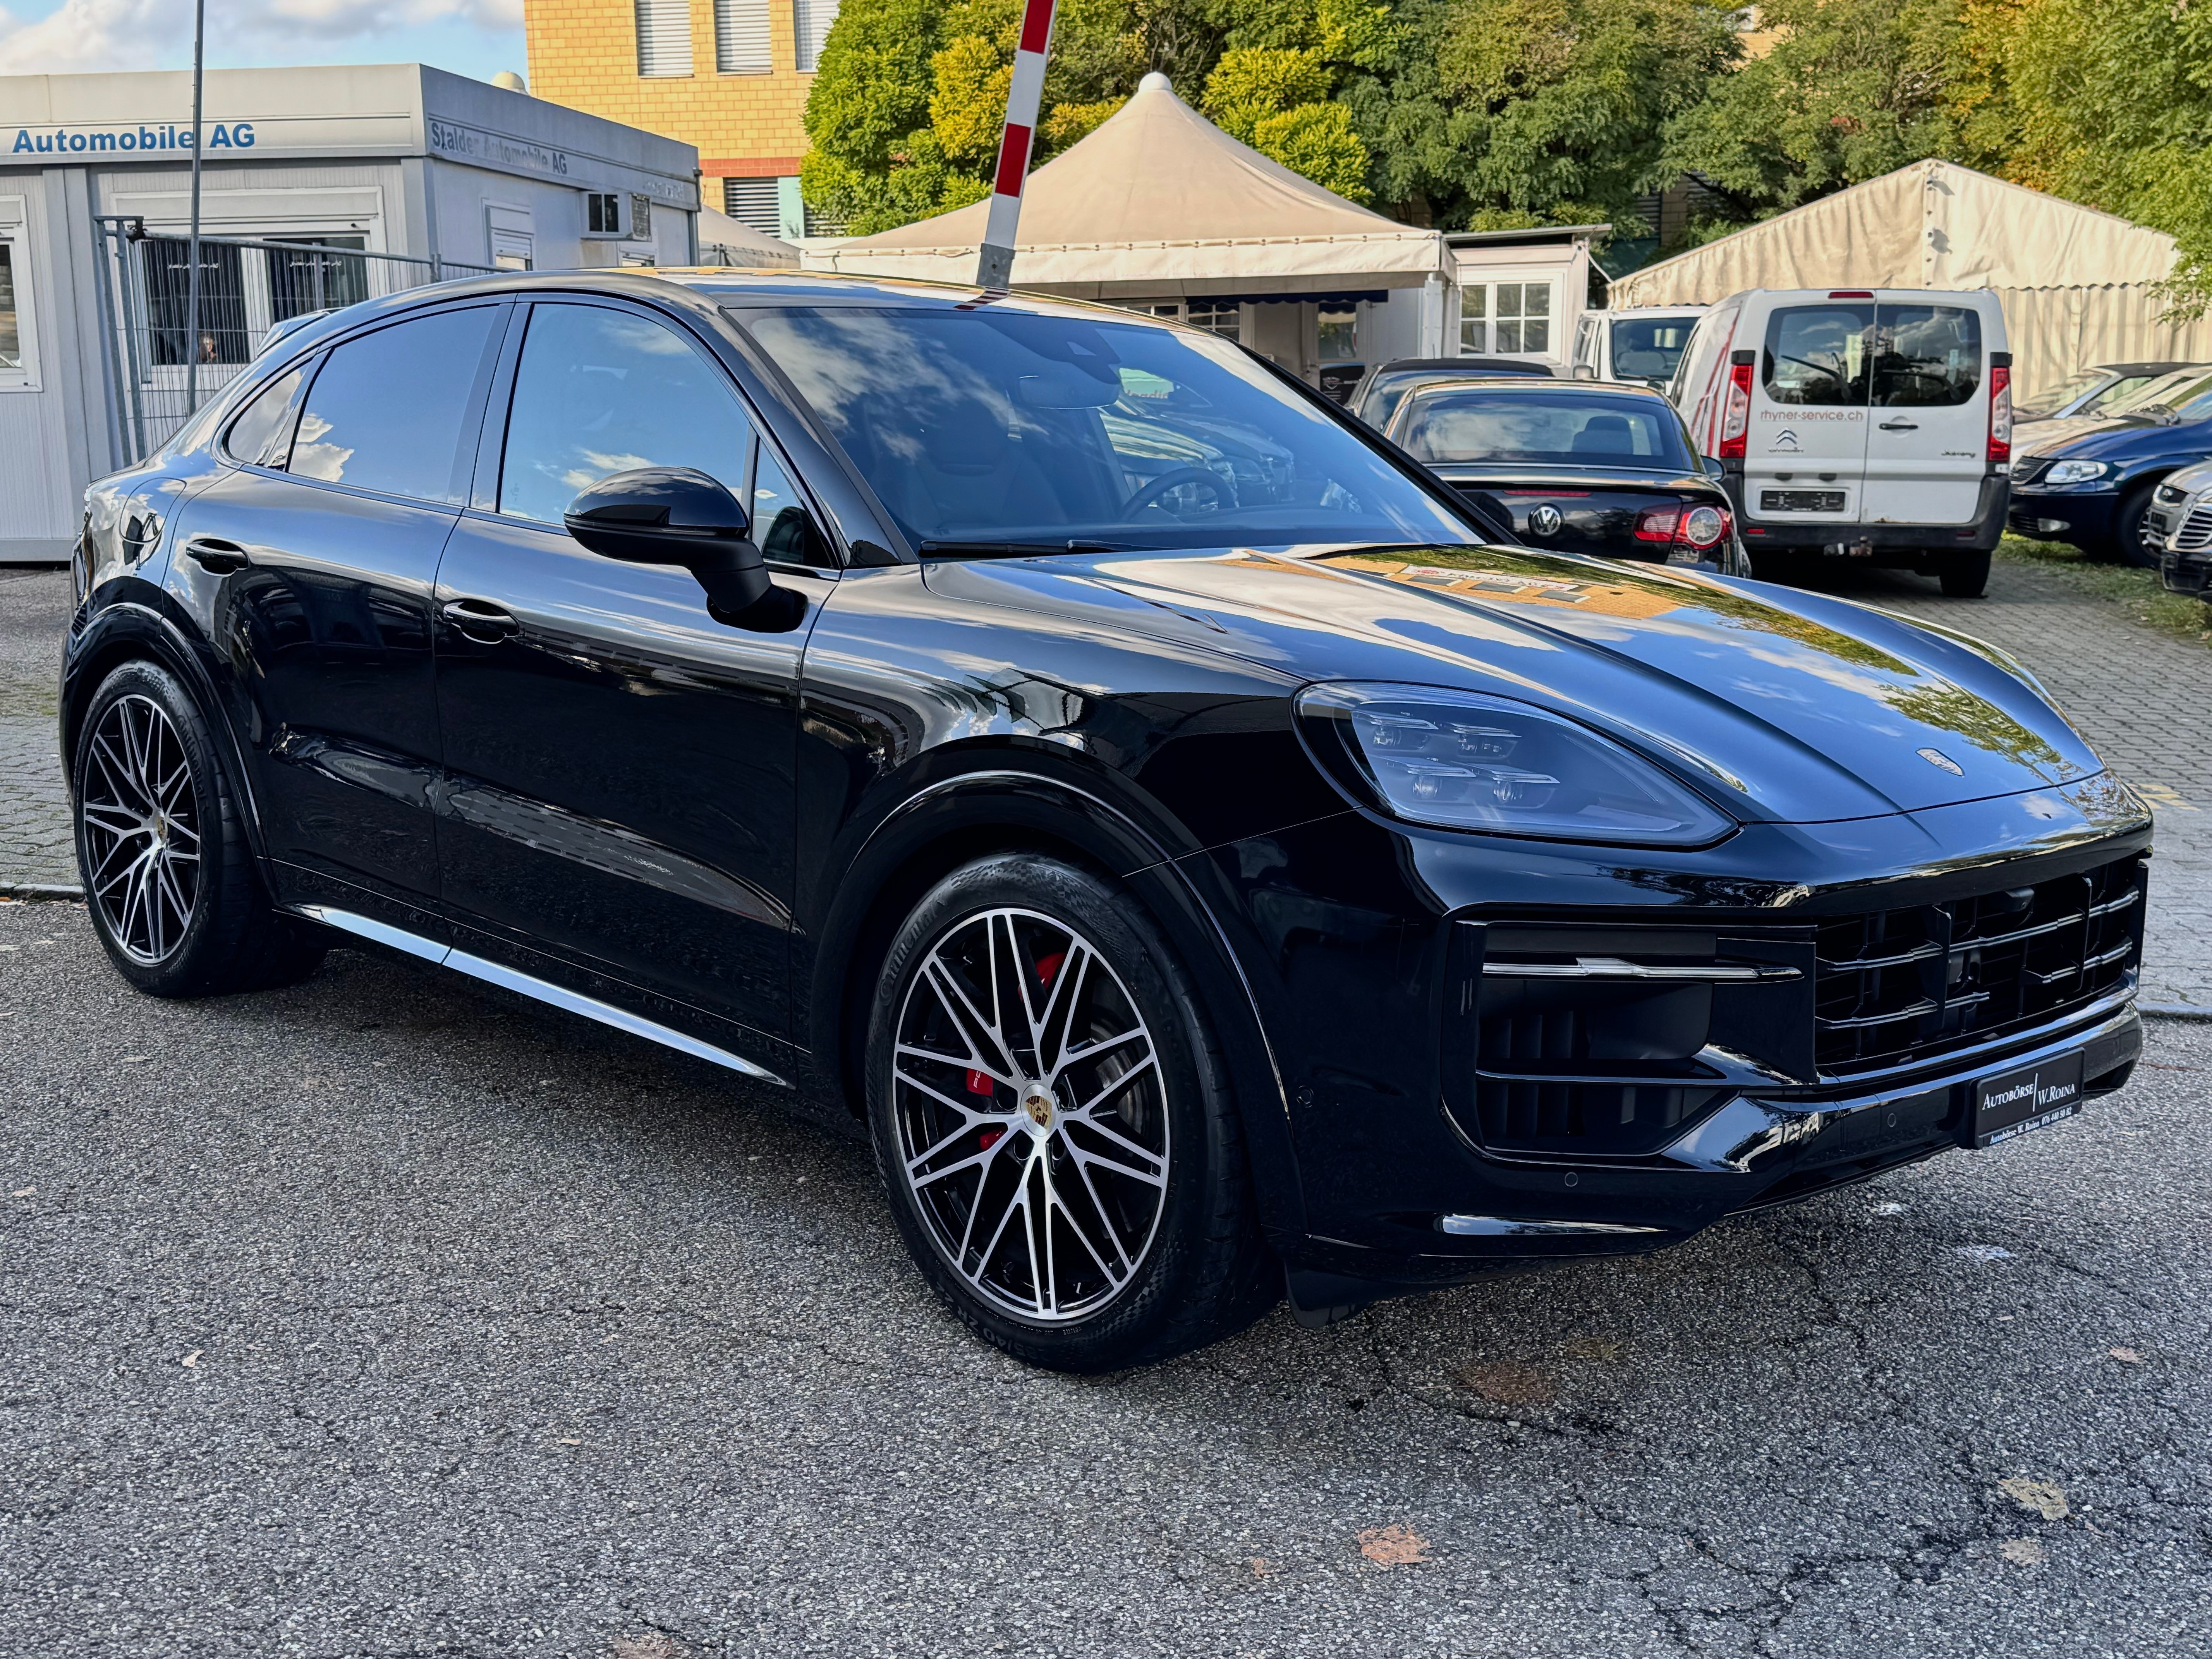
(1929,415)
(1805,450)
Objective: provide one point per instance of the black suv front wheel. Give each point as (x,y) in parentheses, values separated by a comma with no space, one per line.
(1054,1124)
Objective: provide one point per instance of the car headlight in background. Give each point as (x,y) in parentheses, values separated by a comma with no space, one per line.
(1460,760)
(2066,472)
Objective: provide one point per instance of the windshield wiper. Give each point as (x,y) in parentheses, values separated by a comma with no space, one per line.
(962,547)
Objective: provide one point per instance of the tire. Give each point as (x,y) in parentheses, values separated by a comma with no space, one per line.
(1964,575)
(991,1116)
(2125,541)
(169,878)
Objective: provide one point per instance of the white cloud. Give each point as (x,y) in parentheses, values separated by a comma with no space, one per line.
(85,36)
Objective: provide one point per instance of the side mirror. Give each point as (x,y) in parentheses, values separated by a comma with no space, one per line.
(1713,467)
(679,515)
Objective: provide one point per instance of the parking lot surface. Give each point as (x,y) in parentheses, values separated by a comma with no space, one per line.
(380,1317)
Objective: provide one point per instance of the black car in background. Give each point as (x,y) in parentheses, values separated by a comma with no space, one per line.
(1075,755)
(1375,398)
(1577,466)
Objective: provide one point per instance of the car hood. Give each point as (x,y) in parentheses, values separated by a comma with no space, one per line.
(2124,438)
(1784,706)
(2191,478)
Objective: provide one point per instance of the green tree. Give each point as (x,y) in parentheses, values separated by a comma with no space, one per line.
(1852,89)
(2108,104)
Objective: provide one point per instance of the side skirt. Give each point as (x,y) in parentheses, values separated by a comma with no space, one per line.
(529,984)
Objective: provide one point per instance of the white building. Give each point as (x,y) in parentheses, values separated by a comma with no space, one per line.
(333,184)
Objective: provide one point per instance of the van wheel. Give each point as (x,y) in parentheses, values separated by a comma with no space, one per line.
(168,874)
(1964,575)
(1054,1125)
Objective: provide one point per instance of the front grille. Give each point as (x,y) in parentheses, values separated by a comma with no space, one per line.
(2026,472)
(2196,532)
(1893,985)
(1528,1113)
(1801,501)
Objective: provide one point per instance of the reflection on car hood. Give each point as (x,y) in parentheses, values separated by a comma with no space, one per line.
(1786,706)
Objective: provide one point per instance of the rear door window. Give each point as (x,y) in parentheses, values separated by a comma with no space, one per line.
(386,412)
(1819,355)
(1927,357)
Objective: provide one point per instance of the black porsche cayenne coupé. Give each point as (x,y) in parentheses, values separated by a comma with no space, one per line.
(1205,855)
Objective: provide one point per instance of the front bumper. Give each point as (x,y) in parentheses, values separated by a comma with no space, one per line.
(2082,516)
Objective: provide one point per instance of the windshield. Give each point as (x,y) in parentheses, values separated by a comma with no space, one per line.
(1551,429)
(2167,391)
(985,431)
(1647,348)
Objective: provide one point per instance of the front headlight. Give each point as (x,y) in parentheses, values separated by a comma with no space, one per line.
(2066,472)
(1459,760)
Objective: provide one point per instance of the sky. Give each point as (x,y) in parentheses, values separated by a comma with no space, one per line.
(477,38)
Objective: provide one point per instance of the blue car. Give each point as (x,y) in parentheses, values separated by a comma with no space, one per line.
(2095,486)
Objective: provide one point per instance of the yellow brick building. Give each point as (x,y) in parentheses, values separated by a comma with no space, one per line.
(728,75)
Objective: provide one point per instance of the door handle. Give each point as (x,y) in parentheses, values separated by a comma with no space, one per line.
(480,620)
(1901,426)
(215,555)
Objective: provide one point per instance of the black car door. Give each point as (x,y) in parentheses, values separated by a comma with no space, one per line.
(619,790)
(310,565)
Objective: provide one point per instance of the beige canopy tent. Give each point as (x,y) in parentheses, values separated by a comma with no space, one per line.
(1160,200)
(2078,287)
(726,241)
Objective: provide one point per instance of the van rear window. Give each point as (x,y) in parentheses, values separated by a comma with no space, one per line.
(1818,354)
(1926,357)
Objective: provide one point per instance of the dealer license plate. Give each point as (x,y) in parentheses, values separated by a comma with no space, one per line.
(2018,1103)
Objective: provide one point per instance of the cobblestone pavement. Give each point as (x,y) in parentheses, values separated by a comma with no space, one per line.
(382,1318)
(2140,696)
(35,843)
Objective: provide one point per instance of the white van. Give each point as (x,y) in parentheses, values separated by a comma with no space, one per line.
(1870,423)
(1640,343)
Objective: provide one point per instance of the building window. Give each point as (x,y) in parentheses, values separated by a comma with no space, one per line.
(602,214)
(315,278)
(663,37)
(809,28)
(16,364)
(752,202)
(1339,334)
(1225,318)
(1513,319)
(741,37)
(224,336)
(641,219)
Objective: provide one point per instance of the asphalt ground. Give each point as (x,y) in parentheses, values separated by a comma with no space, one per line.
(384,1316)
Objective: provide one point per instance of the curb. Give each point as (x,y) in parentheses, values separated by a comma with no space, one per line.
(2196,1011)
(34,891)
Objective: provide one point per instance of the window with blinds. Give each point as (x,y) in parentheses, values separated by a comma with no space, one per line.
(810,26)
(663,37)
(741,37)
(752,204)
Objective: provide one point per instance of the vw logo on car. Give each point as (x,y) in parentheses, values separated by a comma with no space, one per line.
(1545,520)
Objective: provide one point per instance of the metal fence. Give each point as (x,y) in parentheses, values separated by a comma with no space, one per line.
(247,285)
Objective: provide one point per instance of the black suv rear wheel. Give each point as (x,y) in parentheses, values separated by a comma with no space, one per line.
(168,874)
(1054,1122)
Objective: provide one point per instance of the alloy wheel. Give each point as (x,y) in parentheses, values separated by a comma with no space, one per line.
(1032,1114)
(141,814)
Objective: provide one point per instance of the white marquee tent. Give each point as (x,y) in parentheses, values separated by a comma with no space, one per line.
(2078,287)
(726,241)
(1159,203)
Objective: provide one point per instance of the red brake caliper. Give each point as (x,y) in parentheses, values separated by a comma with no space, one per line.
(979,1083)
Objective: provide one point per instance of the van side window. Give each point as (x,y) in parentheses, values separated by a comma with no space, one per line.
(1927,357)
(1818,354)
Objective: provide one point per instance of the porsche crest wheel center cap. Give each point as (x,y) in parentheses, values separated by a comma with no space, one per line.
(1043,1108)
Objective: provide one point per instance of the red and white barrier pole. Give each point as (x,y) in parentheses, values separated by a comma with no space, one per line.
(994,270)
